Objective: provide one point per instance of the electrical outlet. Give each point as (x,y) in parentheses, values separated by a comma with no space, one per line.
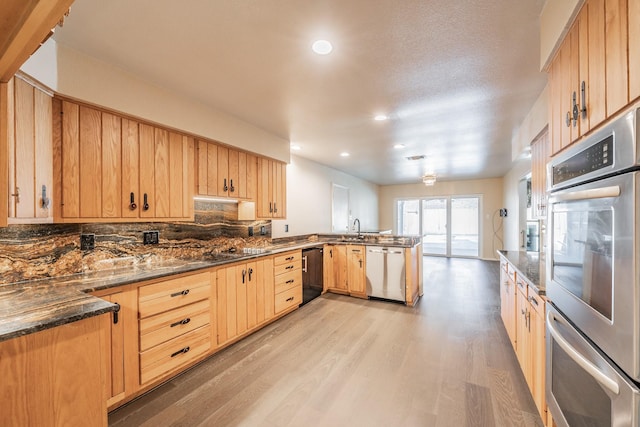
(286,228)
(263,230)
(250,230)
(150,237)
(87,242)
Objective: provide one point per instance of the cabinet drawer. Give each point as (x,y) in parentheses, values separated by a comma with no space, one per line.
(289,298)
(288,280)
(174,353)
(288,258)
(287,268)
(162,327)
(163,296)
(522,286)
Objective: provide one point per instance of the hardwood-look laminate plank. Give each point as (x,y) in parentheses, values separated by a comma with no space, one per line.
(343,361)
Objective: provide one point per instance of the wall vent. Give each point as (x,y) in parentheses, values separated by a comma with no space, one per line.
(420,157)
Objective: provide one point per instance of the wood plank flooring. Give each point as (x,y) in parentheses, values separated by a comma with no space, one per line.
(342,361)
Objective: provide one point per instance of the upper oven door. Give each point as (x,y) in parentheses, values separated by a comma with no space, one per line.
(591,269)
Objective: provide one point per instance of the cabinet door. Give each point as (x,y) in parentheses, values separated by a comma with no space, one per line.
(508,305)
(223,172)
(90,148)
(538,175)
(162,174)
(556,117)
(537,356)
(30,151)
(251,177)
(340,267)
(111,166)
(279,190)
(356,276)
(253,281)
(227,303)
(130,198)
(594,76)
(328,278)
(241,182)
(242,281)
(265,197)
(522,335)
(616,59)
(233,174)
(634,49)
(147,171)
(115,333)
(207,169)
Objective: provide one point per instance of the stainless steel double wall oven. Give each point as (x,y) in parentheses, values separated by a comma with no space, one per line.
(593,279)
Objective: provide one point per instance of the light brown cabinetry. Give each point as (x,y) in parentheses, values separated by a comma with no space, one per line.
(271,195)
(508,300)
(590,78)
(539,158)
(174,317)
(120,345)
(54,377)
(111,168)
(287,270)
(225,172)
(245,298)
(334,264)
(30,153)
(356,273)
(634,52)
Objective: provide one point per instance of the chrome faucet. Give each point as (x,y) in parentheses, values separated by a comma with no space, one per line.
(360,236)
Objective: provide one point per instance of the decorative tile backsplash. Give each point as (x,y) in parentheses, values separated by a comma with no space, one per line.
(39,251)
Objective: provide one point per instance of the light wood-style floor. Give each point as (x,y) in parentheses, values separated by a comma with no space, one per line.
(341,361)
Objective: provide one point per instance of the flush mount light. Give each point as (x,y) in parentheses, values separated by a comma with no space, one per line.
(399,146)
(380,118)
(344,154)
(295,147)
(322,47)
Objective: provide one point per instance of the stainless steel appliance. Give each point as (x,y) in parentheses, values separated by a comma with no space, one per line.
(385,268)
(592,266)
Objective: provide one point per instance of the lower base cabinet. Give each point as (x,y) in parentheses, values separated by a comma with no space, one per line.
(59,374)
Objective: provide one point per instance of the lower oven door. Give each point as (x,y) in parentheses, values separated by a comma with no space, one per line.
(583,387)
(592,273)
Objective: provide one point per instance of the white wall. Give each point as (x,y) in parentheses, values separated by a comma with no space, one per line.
(491,191)
(309,186)
(74,74)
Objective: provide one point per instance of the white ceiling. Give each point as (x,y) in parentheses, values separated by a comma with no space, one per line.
(455,77)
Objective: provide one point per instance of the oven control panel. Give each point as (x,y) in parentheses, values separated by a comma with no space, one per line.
(597,156)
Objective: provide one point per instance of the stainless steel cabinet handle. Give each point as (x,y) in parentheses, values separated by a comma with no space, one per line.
(577,357)
(304,263)
(594,193)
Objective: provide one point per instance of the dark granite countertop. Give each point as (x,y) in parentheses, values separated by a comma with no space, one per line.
(530,266)
(32,306)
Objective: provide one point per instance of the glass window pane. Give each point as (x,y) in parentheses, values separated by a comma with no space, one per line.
(434,226)
(408,217)
(464,226)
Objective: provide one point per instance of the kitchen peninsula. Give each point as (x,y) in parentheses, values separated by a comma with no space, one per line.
(157,319)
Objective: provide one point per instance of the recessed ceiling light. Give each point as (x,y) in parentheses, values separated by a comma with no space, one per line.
(344,154)
(295,147)
(399,146)
(381,118)
(322,47)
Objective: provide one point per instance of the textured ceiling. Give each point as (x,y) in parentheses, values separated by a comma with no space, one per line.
(455,77)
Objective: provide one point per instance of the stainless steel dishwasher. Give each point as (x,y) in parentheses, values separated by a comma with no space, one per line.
(386,273)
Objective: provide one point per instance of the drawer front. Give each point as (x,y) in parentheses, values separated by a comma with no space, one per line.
(288,258)
(537,302)
(522,286)
(163,296)
(288,280)
(289,298)
(172,354)
(287,268)
(165,326)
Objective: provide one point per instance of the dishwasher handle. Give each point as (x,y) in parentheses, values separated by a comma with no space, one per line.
(384,251)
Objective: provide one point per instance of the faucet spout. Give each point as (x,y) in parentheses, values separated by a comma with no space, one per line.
(360,236)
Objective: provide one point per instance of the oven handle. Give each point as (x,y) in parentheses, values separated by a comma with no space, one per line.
(594,193)
(592,369)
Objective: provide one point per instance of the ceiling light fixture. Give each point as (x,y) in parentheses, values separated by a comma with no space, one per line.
(429,179)
(322,47)
(399,146)
(295,147)
(344,154)
(380,118)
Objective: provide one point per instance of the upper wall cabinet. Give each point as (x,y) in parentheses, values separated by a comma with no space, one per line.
(225,172)
(110,168)
(29,153)
(272,182)
(590,78)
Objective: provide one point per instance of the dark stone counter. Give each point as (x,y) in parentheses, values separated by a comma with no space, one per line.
(530,266)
